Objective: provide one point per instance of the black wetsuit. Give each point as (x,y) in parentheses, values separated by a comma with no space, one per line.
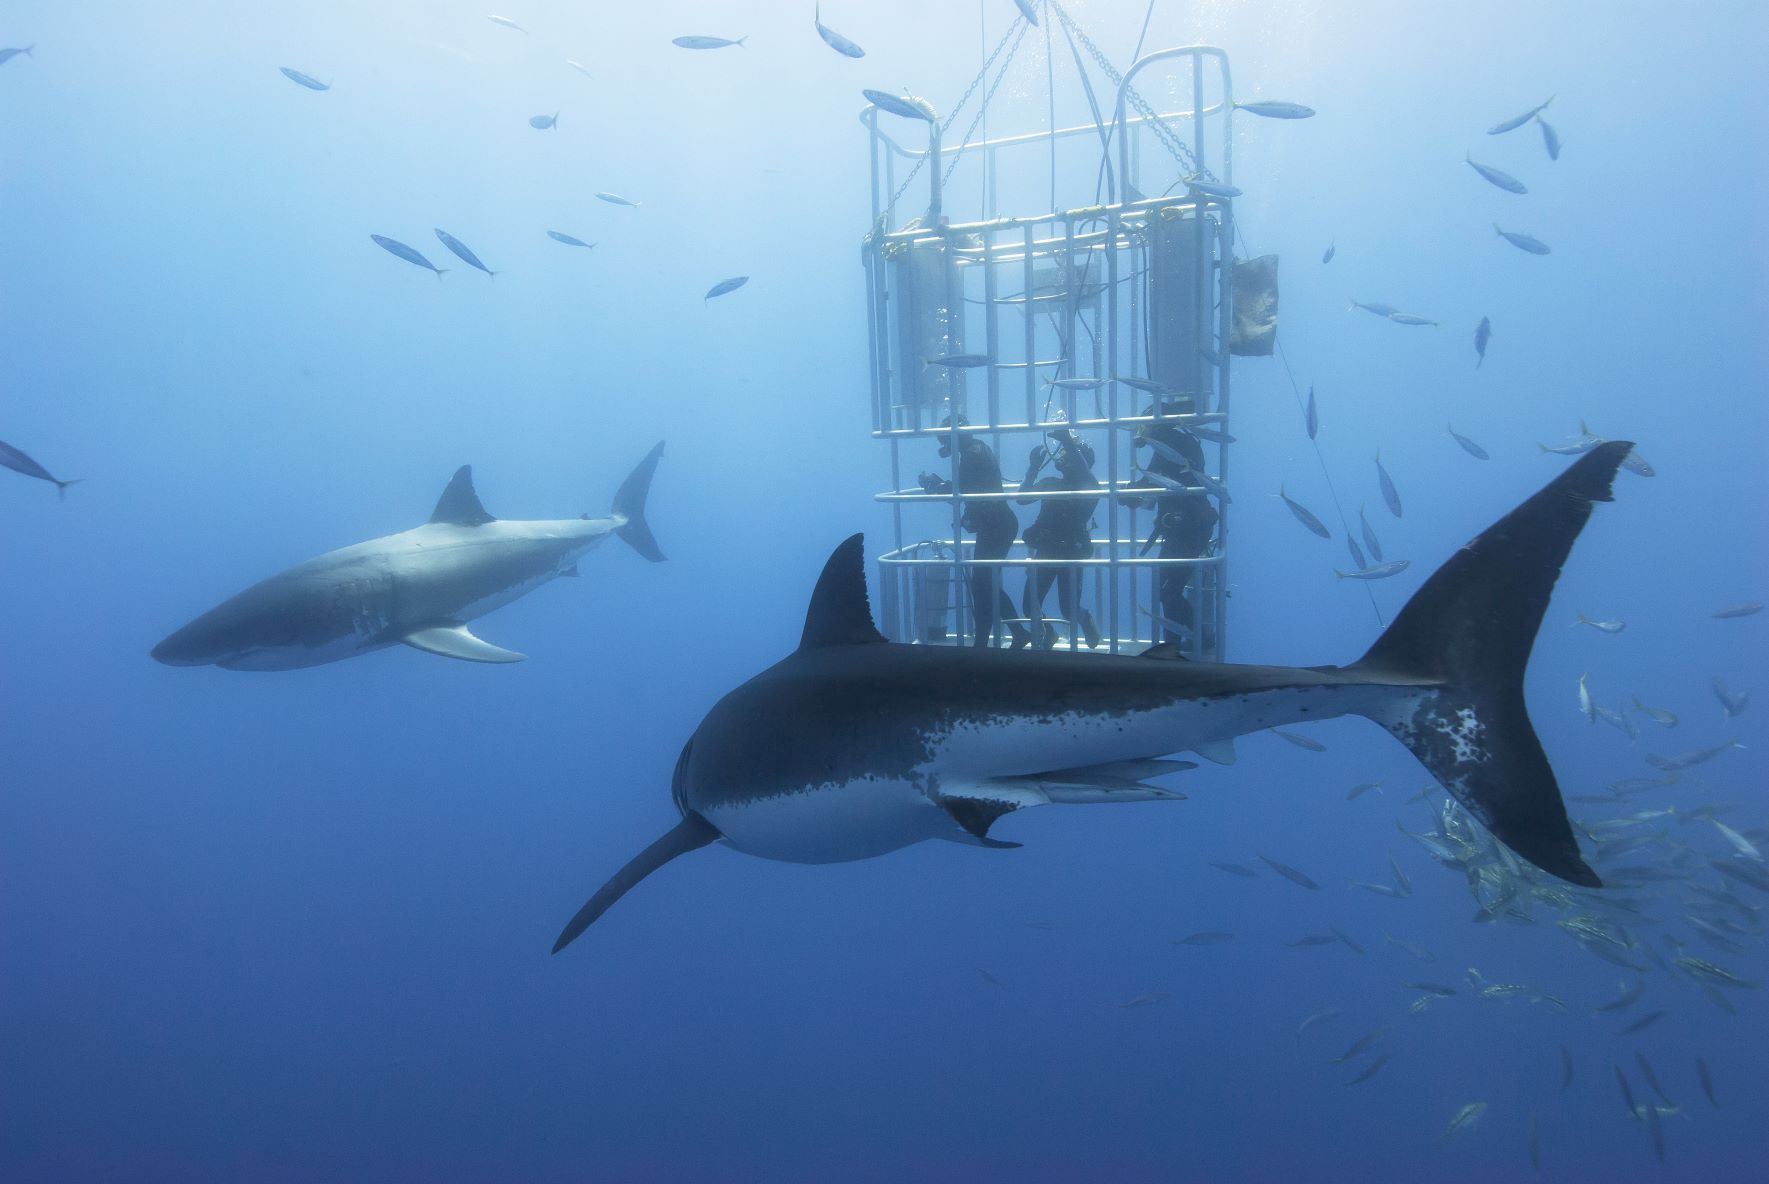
(996,527)
(1183,525)
(1062,530)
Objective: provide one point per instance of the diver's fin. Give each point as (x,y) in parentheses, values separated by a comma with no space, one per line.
(1464,640)
(1221,752)
(690,834)
(459,503)
(457,641)
(840,613)
(629,505)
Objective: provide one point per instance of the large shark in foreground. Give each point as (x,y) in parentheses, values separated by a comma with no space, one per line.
(419,587)
(852,747)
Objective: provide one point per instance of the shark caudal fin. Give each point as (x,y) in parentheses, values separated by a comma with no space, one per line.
(629,503)
(1463,641)
(690,834)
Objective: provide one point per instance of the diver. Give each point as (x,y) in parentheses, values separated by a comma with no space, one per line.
(1062,530)
(1183,523)
(994,524)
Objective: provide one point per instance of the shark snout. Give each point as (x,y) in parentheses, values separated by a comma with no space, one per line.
(177,650)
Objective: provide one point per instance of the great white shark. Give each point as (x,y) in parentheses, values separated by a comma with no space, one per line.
(419,587)
(852,746)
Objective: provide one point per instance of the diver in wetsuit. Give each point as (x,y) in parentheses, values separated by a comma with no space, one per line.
(1062,530)
(1183,523)
(994,524)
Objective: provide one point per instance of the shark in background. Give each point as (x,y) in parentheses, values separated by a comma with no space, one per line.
(853,746)
(418,588)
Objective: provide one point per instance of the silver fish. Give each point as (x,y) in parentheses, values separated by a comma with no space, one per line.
(1076,384)
(706,42)
(1587,706)
(1381,571)
(1217,189)
(1468,446)
(1652,1078)
(960,361)
(1688,759)
(307,80)
(1371,543)
(1498,177)
(579,67)
(1464,1117)
(724,286)
(1234,869)
(908,106)
(1522,241)
(833,39)
(615,199)
(1208,938)
(1733,704)
(1483,333)
(1518,121)
(1359,1046)
(1707,1082)
(1145,1000)
(1565,1069)
(1210,434)
(399,250)
(1550,138)
(462,252)
(1313,939)
(1739,843)
(1289,873)
(1407,318)
(1332,249)
(1311,418)
(1644,1022)
(1319,1017)
(1357,553)
(1145,384)
(1630,995)
(16,51)
(1419,952)
(559,236)
(1637,464)
(1747,608)
(1299,740)
(1601,626)
(1274,109)
(1389,493)
(1387,890)
(541,123)
(1381,310)
(506,22)
(1304,516)
(1370,1070)
(19,462)
(1359,790)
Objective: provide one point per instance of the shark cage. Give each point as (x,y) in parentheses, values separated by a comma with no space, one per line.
(1094,339)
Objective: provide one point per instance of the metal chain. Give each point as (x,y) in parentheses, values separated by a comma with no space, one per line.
(988,97)
(1018,24)
(1156,124)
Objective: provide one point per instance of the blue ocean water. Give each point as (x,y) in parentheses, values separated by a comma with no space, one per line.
(295,926)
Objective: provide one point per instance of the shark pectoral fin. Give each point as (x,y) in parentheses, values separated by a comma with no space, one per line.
(456,641)
(976,807)
(1221,752)
(690,834)
(569,572)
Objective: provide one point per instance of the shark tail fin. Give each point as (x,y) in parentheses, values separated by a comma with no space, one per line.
(1462,643)
(690,834)
(61,487)
(629,504)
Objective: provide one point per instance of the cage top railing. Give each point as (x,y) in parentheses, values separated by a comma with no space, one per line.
(868,118)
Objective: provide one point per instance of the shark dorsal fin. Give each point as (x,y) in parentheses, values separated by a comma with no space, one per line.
(840,613)
(459,504)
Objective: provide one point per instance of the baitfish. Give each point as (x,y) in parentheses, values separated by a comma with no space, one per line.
(724,286)
(1371,543)
(1464,1117)
(1381,310)
(506,22)
(1407,318)
(1359,1046)
(1468,446)
(1483,333)
(706,42)
(1518,121)
(1731,702)
(1314,939)
(1299,740)
(1370,1070)
(1304,516)
(1207,938)
(1523,242)
(1274,109)
(1357,553)
(307,80)
(1359,790)
(400,251)
(1289,873)
(570,240)
(1389,493)
(1380,572)
(615,199)
(1565,1069)
(1600,626)
(1689,759)
(908,106)
(1319,1017)
(1311,419)
(1550,138)
(1332,249)
(1644,1022)
(19,462)
(1748,608)
(959,361)
(1211,188)
(541,123)
(1498,177)
(462,252)
(1234,869)
(833,39)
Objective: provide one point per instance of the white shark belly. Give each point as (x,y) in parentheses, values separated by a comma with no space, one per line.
(833,823)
